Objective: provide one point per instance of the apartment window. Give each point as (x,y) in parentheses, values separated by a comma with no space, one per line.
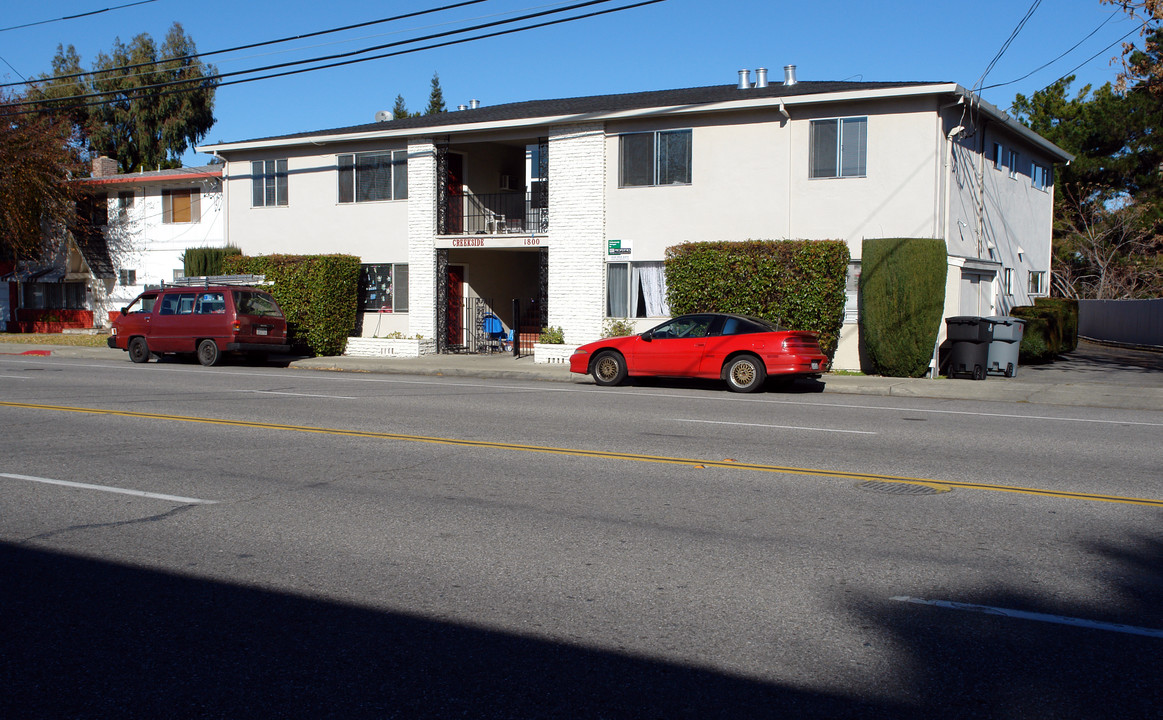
(998,156)
(93,210)
(636,290)
(1040,176)
(1037,282)
(127,277)
(852,293)
(655,158)
(367,177)
(1012,162)
(383,288)
(268,183)
(838,148)
(124,205)
(181,206)
(1007,281)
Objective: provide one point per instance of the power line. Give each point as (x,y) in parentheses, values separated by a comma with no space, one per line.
(278,66)
(1006,45)
(78,15)
(249,46)
(1072,49)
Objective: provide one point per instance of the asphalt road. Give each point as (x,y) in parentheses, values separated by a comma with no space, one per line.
(268,542)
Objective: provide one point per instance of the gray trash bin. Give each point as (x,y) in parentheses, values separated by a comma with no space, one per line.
(1002,358)
(969,338)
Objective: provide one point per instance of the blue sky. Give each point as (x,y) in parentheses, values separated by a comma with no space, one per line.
(671,44)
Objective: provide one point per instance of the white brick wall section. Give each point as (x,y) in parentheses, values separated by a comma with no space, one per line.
(577,230)
(422,238)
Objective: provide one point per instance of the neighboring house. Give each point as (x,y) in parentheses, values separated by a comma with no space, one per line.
(569,205)
(132,230)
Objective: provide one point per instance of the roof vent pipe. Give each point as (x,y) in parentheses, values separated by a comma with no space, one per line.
(474,104)
(462,107)
(744,79)
(761,77)
(789,74)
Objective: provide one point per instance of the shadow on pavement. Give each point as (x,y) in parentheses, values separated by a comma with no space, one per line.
(89,639)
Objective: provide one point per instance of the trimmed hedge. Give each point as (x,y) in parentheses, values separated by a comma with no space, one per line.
(902,300)
(796,283)
(318,294)
(1051,329)
(206,261)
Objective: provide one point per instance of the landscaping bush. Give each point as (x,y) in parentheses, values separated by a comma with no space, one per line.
(796,283)
(318,294)
(1051,329)
(902,299)
(206,261)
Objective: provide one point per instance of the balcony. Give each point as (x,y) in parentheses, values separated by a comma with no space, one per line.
(518,213)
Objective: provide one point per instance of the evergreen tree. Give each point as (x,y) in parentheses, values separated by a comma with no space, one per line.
(436,97)
(399,110)
(139,127)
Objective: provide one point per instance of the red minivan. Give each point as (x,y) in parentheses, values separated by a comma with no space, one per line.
(207,321)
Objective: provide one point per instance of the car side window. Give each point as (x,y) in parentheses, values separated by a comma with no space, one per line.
(143,304)
(186,303)
(693,326)
(210,303)
(169,305)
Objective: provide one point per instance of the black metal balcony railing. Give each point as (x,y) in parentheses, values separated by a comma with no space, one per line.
(492,214)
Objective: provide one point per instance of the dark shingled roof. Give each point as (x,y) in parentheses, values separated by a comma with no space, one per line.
(487,114)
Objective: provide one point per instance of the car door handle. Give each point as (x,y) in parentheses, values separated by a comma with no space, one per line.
(700,344)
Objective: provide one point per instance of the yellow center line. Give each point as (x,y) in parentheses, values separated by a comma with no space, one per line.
(603,455)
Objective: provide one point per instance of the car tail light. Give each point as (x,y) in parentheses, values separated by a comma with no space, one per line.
(236,326)
(801,344)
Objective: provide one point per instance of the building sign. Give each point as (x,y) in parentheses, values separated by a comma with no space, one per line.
(619,249)
(490,241)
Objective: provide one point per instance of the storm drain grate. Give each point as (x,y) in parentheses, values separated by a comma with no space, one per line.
(900,488)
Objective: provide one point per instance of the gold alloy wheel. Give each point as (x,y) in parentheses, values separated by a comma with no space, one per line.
(743,373)
(606,368)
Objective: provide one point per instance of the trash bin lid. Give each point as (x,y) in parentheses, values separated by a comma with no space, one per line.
(1005,320)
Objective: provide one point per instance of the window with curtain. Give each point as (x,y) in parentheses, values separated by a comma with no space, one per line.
(636,290)
(371,177)
(268,183)
(181,206)
(838,148)
(655,158)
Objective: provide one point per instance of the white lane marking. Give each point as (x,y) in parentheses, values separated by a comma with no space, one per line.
(727,397)
(105,488)
(1041,617)
(307,395)
(16,377)
(777,427)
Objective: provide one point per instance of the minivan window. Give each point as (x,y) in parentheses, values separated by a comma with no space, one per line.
(210,303)
(143,304)
(256,303)
(175,304)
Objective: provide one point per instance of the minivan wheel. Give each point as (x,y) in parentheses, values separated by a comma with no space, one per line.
(138,350)
(208,353)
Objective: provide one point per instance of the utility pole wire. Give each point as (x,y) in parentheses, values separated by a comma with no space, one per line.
(50,102)
(264,43)
(74,17)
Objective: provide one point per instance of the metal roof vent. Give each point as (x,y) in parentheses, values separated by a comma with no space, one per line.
(744,79)
(761,77)
(474,104)
(789,74)
(462,107)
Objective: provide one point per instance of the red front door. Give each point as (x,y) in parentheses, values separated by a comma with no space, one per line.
(454,313)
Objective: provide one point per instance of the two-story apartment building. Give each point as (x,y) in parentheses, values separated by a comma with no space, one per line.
(131,231)
(568,205)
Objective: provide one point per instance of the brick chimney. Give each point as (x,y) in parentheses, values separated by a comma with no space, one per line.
(104,166)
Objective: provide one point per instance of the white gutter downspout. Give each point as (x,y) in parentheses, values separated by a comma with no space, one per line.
(225,200)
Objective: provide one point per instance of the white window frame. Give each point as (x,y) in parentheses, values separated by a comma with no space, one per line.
(1040,177)
(1012,158)
(851,139)
(398,284)
(127,277)
(658,147)
(1037,282)
(998,156)
(622,293)
(168,206)
(269,186)
(348,168)
(1007,281)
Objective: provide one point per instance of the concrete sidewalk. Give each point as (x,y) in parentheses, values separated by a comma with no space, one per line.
(1092,376)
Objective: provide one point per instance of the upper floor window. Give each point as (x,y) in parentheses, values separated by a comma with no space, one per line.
(126,277)
(181,206)
(93,210)
(268,183)
(655,158)
(998,156)
(1007,281)
(1037,282)
(1012,161)
(366,177)
(839,148)
(1040,176)
(124,205)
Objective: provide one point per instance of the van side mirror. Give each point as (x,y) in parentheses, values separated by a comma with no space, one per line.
(647,336)
(125,310)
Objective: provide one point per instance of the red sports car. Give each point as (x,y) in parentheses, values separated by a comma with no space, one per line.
(742,350)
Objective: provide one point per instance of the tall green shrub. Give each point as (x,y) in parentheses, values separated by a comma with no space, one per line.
(796,283)
(1051,329)
(902,299)
(205,260)
(318,294)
